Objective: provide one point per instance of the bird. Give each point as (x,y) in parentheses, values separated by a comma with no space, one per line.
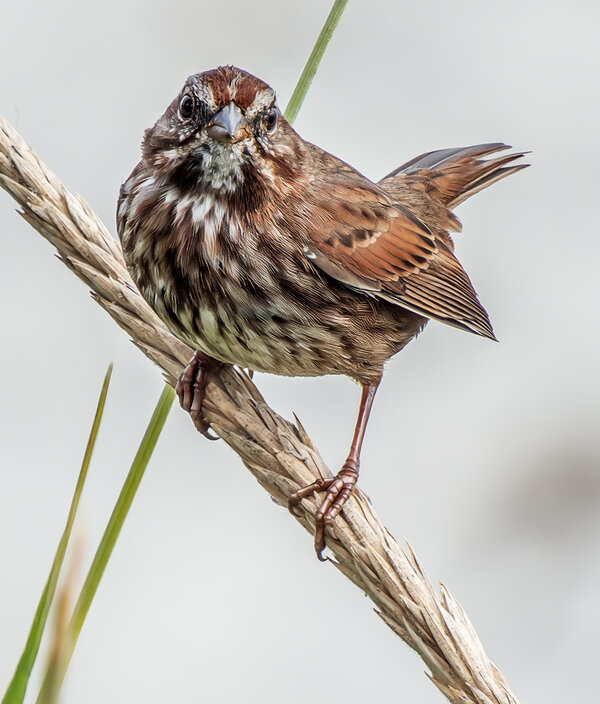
(261,250)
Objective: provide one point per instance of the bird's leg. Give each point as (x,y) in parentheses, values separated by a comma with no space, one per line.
(339,488)
(191,389)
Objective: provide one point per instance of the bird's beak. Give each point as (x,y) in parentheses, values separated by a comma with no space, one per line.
(228,125)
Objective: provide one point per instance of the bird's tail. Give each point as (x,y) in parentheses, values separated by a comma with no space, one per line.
(450,176)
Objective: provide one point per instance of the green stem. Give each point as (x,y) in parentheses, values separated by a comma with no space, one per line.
(111,534)
(18,685)
(301,89)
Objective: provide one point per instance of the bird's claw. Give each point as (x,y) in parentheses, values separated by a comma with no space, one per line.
(338,490)
(191,390)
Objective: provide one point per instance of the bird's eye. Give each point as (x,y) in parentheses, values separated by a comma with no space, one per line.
(186,106)
(271,120)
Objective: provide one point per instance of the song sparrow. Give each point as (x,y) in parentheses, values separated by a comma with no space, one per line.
(259,249)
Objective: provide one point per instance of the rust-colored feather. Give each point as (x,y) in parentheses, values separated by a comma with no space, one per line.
(450,176)
(228,82)
(398,256)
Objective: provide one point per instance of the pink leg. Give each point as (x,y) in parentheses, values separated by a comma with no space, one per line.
(339,488)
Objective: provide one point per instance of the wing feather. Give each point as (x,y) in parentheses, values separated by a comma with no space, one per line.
(366,240)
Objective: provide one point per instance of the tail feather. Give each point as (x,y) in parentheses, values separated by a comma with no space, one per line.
(450,176)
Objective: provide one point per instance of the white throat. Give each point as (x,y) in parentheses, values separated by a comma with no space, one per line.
(222,167)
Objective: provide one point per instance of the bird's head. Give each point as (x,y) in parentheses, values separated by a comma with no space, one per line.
(222,130)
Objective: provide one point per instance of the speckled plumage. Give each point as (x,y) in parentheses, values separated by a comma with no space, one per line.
(262,250)
(238,246)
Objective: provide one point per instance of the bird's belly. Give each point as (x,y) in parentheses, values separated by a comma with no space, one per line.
(240,327)
(316,331)
(267,342)
(262,341)
(247,340)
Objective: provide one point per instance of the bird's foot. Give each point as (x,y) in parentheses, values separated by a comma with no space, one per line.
(191,389)
(338,490)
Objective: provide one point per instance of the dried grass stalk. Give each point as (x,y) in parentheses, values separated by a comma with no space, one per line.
(278,453)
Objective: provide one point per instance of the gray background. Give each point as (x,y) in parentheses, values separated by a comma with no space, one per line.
(485,456)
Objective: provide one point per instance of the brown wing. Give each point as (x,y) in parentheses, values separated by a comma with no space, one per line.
(365,240)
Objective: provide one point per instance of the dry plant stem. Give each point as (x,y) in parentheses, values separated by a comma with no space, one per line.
(278,453)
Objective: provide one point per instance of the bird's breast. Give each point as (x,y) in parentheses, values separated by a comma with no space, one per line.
(245,295)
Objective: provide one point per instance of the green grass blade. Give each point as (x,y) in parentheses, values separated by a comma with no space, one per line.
(18,685)
(301,89)
(110,536)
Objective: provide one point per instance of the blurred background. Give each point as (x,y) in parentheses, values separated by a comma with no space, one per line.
(486,457)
